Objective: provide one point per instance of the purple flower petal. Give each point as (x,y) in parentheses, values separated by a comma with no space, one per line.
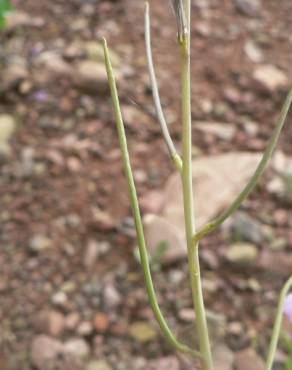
(41,96)
(288,307)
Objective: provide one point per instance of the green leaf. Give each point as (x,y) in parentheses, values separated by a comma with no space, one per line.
(5,8)
(2,21)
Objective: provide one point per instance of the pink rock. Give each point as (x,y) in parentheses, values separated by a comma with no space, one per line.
(166,363)
(248,359)
(56,323)
(45,349)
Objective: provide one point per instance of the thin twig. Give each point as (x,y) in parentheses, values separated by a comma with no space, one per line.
(211,226)
(136,211)
(155,92)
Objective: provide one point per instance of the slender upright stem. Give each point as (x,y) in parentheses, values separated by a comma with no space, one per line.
(277,325)
(136,211)
(193,255)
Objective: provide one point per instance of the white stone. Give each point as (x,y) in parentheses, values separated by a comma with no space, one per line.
(77,347)
(7,127)
(218,180)
(271,77)
(253,52)
(224,131)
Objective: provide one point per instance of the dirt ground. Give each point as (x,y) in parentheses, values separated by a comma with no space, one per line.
(67,267)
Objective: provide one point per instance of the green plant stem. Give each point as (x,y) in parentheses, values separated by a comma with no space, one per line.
(211,226)
(155,92)
(136,211)
(193,255)
(277,325)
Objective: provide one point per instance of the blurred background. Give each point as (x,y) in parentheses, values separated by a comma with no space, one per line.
(71,289)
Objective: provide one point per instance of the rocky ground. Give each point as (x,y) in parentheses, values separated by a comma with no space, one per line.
(72,293)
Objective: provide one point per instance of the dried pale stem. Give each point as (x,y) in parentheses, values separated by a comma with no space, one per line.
(155,92)
(277,325)
(137,216)
(254,179)
(193,255)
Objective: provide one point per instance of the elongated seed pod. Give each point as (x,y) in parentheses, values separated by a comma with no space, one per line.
(179,12)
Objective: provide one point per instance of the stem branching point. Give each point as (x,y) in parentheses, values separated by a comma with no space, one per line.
(213,225)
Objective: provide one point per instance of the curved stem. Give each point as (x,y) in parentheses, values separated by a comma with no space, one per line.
(211,226)
(136,211)
(277,325)
(187,184)
(155,92)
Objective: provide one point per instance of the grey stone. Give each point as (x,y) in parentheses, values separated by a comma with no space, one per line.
(249,7)
(243,227)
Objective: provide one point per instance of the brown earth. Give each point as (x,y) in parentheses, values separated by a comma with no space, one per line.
(67,236)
